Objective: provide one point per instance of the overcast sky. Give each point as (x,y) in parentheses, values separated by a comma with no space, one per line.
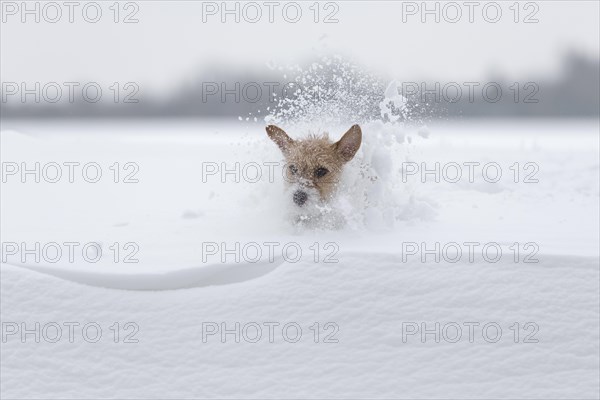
(171,42)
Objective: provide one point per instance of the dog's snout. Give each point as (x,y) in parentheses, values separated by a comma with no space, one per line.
(300,197)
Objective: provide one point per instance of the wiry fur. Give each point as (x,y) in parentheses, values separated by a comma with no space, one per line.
(307,156)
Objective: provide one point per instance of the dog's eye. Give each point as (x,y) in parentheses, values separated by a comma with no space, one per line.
(293,169)
(320,172)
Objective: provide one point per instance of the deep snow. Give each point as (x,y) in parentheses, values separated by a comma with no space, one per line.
(368,293)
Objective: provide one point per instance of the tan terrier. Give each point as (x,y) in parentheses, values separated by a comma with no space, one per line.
(314,165)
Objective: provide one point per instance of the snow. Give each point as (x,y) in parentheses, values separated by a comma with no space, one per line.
(376,285)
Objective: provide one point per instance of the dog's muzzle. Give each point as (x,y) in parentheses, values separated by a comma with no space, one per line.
(300,197)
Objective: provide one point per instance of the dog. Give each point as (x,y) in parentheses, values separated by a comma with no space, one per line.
(313,168)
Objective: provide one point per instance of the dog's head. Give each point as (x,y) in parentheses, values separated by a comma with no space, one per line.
(314,164)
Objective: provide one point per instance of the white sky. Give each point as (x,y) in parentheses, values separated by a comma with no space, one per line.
(171,42)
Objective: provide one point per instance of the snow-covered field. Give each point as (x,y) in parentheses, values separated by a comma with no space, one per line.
(187,252)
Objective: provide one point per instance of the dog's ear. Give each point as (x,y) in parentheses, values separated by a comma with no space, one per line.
(280,138)
(348,145)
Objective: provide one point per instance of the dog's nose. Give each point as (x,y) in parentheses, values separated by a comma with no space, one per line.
(300,197)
